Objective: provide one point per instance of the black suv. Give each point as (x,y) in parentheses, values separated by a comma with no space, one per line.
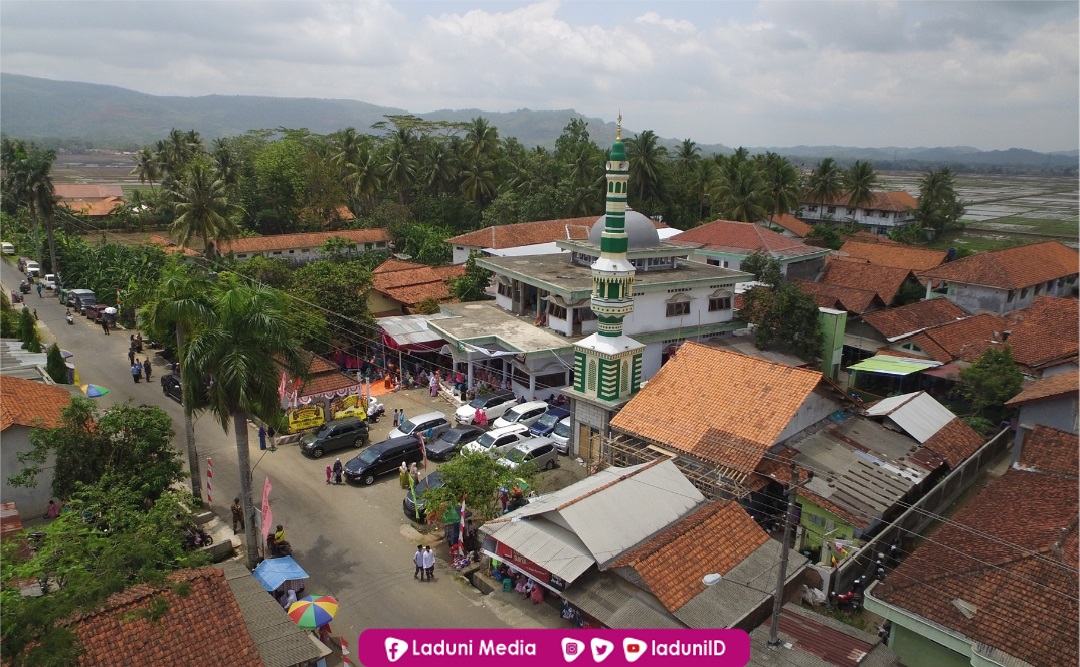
(449,443)
(335,434)
(171,387)
(413,503)
(383,457)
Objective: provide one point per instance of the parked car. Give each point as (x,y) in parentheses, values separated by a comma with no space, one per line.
(33,269)
(381,458)
(495,405)
(413,504)
(8,248)
(539,452)
(449,443)
(171,387)
(335,434)
(561,436)
(546,424)
(50,281)
(431,424)
(79,299)
(497,441)
(525,414)
(95,312)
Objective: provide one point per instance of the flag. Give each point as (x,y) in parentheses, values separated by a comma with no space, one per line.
(416,500)
(117,302)
(281,387)
(344,650)
(267,513)
(423,449)
(461,526)
(296,393)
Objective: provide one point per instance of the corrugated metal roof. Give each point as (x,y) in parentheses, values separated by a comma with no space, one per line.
(889,365)
(411,329)
(617,603)
(918,413)
(552,547)
(815,640)
(279,641)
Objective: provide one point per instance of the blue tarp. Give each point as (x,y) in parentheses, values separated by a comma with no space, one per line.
(273,572)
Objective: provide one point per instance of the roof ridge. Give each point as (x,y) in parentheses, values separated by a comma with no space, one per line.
(607,485)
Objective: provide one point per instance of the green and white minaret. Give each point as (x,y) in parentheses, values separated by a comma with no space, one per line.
(607,364)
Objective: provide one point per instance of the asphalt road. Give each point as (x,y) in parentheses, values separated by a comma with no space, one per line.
(355,542)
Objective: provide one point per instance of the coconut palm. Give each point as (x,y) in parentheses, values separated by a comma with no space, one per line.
(179,299)
(398,168)
(687,156)
(477,182)
(203,207)
(781,183)
(28,180)
(146,167)
(645,156)
(242,352)
(740,194)
(481,140)
(227,162)
(826,182)
(860,180)
(362,177)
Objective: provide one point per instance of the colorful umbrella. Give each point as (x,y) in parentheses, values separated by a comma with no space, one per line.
(94,390)
(313,611)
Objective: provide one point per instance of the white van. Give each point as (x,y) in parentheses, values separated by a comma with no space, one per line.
(7,248)
(561,435)
(496,442)
(33,269)
(525,414)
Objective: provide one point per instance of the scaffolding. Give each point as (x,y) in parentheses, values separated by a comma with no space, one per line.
(715,482)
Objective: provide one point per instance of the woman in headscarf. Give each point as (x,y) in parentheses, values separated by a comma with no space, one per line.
(433,385)
(289,599)
(337,471)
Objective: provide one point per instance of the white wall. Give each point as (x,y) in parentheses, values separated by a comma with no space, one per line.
(817,406)
(461,253)
(32,503)
(650,312)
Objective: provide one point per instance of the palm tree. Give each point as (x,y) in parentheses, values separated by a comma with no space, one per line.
(825,184)
(740,194)
(701,183)
(645,156)
(398,168)
(146,167)
(781,183)
(180,299)
(481,140)
(860,180)
(227,162)
(242,353)
(687,156)
(477,182)
(28,180)
(203,206)
(362,177)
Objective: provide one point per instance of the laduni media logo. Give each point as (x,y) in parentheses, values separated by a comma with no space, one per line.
(550,648)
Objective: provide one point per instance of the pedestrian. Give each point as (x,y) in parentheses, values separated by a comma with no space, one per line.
(429,563)
(131,356)
(337,471)
(418,560)
(237,515)
(414,473)
(136,372)
(138,343)
(146,369)
(433,385)
(396,418)
(105,325)
(481,418)
(53,511)
(403,475)
(39,290)
(330,472)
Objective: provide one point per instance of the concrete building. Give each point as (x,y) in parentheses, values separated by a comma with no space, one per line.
(304,246)
(24,406)
(726,244)
(887,211)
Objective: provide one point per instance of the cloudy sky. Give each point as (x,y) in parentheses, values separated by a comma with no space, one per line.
(991,75)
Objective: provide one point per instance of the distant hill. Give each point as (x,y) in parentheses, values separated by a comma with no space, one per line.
(85,115)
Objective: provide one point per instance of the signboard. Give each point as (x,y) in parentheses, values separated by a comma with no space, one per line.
(305,417)
(522,563)
(349,406)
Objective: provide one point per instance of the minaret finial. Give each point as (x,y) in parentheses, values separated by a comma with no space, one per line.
(618,127)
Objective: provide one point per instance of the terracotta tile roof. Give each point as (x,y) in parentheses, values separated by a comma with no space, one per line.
(1012,268)
(392,265)
(301,240)
(897,322)
(93,209)
(24,402)
(897,256)
(1062,384)
(529,233)
(964,339)
(323,376)
(885,281)
(1015,568)
(84,191)
(759,399)
(742,238)
(851,299)
(1052,451)
(869,237)
(409,283)
(1045,333)
(202,627)
(712,539)
(954,442)
(894,200)
(170,246)
(792,224)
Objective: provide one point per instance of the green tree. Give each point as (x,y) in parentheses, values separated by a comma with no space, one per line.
(784,317)
(829,234)
(938,209)
(132,445)
(764,268)
(739,194)
(204,207)
(268,271)
(472,286)
(55,366)
(478,477)
(28,332)
(339,248)
(243,353)
(781,183)
(338,290)
(146,166)
(646,156)
(180,302)
(860,181)
(991,381)
(825,184)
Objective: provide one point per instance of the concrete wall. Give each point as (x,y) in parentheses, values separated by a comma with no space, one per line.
(807,269)
(650,312)
(583,413)
(980,299)
(817,406)
(914,649)
(461,253)
(380,303)
(32,503)
(813,533)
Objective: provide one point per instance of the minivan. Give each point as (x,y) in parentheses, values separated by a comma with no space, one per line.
(79,299)
(430,424)
(383,457)
(538,452)
(335,434)
(497,441)
(494,404)
(546,424)
(525,414)
(8,249)
(33,269)
(561,435)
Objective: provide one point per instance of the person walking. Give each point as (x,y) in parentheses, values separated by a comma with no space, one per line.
(396,423)
(39,290)
(403,475)
(429,563)
(237,515)
(330,472)
(146,369)
(136,372)
(414,473)
(131,356)
(418,560)
(105,325)
(337,471)
(433,385)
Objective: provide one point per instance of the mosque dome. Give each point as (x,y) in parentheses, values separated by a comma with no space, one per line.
(640,231)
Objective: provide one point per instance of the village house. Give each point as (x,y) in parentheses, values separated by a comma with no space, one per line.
(400,287)
(726,244)
(1051,401)
(887,211)
(855,285)
(996,584)
(24,406)
(529,238)
(304,246)
(1001,281)
(788,225)
(810,639)
(896,255)
(865,335)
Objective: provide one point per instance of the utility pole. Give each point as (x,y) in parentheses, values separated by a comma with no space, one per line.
(781,575)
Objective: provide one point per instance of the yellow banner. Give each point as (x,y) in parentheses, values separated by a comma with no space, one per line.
(352,405)
(305,417)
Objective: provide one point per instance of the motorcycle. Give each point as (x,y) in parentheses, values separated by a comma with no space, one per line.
(16,297)
(375,409)
(199,538)
(278,549)
(24,287)
(70,319)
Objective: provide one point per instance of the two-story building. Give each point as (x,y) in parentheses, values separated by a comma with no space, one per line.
(726,244)
(887,211)
(303,247)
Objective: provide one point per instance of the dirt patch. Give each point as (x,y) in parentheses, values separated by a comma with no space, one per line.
(568,472)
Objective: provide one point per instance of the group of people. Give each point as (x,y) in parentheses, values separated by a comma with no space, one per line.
(334,472)
(405,474)
(399,417)
(139,367)
(424,560)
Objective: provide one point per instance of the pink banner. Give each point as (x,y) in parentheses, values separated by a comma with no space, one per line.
(267,513)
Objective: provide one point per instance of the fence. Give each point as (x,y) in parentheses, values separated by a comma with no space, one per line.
(920,515)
